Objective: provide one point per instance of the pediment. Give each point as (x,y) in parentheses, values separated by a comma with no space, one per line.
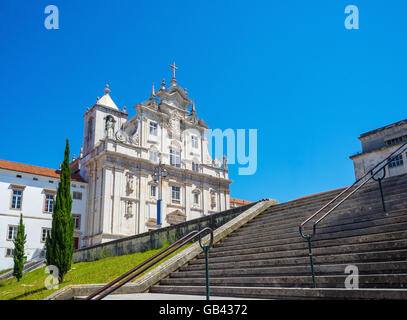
(175,96)
(176,216)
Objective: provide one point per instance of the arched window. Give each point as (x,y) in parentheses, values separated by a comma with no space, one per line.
(196,194)
(195,165)
(212,195)
(153,154)
(175,157)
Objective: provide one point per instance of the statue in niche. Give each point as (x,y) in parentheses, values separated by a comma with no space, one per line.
(213,199)
(129,209)
(109,127)
(130,183)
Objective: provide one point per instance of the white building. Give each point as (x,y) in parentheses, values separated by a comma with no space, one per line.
(377,145)
(30,191)
(114,186)
(120,156)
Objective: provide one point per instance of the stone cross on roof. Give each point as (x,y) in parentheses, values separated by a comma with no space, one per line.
(174,68)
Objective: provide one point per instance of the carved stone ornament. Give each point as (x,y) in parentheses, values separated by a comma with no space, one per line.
(121,136)
(136,139)
(174,125)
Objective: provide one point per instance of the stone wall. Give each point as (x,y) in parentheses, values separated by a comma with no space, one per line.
(157,238)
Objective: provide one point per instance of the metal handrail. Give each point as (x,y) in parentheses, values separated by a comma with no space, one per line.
(373,171)
(131,274)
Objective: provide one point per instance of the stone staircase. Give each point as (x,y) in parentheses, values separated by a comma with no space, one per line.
(267,258)
(28,266)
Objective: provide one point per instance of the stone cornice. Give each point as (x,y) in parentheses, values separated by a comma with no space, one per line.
(106,109)
(386,148)
(184,172)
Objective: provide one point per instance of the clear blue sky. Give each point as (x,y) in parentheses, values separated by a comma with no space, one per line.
(288,68)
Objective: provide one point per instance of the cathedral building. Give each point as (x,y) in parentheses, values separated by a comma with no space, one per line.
(132,175)
(150,171)
(377,144)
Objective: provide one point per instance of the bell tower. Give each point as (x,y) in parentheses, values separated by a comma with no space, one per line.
(103,120)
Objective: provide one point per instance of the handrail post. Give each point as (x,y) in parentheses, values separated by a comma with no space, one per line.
(379,180)
(381,194)
(205,248)
(311,261)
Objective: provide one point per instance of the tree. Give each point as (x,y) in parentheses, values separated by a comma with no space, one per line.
(19,243)
(60,244)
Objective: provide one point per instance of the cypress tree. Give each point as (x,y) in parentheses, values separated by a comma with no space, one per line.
(19,243)
(60,244)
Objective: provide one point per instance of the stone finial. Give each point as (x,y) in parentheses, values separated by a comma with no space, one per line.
(107,90)
(81,152)
(152,95)
(193,110)
(225,162)
(73,157)
(124,109)
(163,84)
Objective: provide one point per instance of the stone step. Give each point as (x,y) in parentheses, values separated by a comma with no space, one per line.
(292,244)
(351,258)
(265,252)
(334,221)
(325,227)
(311,199)
(361,198)
(389,187)
(376,227)
(288,293)
(333,281)
(345,211)
(348,206)
(300,270)
(316,202)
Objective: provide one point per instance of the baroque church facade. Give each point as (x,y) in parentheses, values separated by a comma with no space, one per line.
(158,158)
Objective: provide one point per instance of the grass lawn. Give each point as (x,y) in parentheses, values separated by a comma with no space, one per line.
(32,287)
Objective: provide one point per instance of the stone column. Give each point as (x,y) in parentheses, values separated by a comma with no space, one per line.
(205,199)
(89,206)
(143,197)
(117,181)
(187,199)
(165,195)
(106,200)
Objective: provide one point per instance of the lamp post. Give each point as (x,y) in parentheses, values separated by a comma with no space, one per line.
(158,174)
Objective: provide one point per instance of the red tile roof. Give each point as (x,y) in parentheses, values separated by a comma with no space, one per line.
(238,201)
(26,168)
